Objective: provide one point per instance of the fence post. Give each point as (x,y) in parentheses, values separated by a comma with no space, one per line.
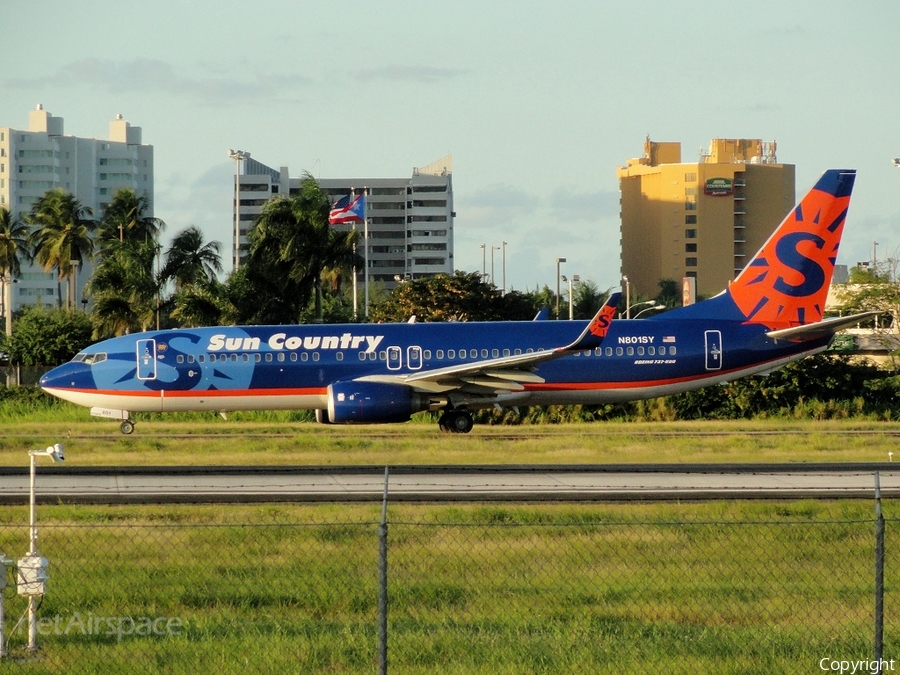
(382,581)
(879,576)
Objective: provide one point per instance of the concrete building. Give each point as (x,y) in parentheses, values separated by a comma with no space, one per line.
(42,157)
(410,219)
(703,219)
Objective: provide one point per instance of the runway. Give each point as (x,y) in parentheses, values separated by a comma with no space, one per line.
(248,484)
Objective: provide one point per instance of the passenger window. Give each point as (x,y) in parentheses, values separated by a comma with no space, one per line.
(440,354)
(651,350)
(245,358)
(257,357)
(672,351)
(451,353)
(280,357)
(362,356)
(608,351)
(268,357)
(505,352)
(640,351)
(179,359)
(201,358)
(315,356)
(495,353)
(619,351)
(304,356)
(190,358)
(339,356)
(473,353)
(630,351)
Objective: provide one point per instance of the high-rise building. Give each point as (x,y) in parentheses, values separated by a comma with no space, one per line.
(42,157)
(410,220)
(704,219)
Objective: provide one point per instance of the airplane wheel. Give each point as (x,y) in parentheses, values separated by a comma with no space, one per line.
(126,427)
(442,423)
(460,421)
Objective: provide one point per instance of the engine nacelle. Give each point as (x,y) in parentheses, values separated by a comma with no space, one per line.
(372,402)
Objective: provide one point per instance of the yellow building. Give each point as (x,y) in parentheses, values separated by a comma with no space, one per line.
(705,219)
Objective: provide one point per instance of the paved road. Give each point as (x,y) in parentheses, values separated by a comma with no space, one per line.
(484,483)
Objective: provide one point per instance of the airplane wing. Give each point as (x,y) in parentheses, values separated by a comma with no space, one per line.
(506,373)
(820,329)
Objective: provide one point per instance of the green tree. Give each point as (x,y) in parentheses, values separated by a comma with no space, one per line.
(61,235)
(125,289)
(464,296)
(48,337)
(13,250)
(291,246)
(190,260)
(125,219)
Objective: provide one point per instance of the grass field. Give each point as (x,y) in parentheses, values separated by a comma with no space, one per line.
(210,440)
(722,587)
(733,587)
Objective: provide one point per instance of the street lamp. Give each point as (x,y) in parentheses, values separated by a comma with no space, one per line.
(32,569)
(503,255)
(649,309)
(637,304)
(558,261)
(627,297)
(483,261)
(493,278)
(238,156)
(575,277)
(73,283)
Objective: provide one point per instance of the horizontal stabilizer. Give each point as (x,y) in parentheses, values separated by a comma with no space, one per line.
(815,331)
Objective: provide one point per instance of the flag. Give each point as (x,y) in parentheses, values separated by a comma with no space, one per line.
(347,211)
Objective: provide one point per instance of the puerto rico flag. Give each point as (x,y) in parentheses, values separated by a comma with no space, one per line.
(347,211)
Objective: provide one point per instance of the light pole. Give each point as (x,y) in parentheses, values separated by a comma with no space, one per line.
(483,261)
(504,267)
(558,261)
(574,277)
(493,278)
(32,574)
(648,309)
(238,156)
(628,308)
(73,283)
(627,297)
(875,258)
(7,301)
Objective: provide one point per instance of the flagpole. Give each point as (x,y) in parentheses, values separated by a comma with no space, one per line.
(355,272)
(366,243)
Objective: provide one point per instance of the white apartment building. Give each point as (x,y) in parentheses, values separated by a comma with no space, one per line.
(42,157)
(410,219)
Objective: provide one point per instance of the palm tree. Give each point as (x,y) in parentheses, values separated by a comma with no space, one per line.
(189,261)
(13,249)
(125,288)
(125,218)
(292,245)
(62,238)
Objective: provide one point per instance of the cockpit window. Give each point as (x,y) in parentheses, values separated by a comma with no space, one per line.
(89,359)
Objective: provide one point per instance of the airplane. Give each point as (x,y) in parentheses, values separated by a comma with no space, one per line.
(770,315)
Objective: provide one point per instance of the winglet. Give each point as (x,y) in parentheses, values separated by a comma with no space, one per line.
(596,330)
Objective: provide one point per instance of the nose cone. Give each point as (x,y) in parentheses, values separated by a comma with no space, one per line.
(69,376)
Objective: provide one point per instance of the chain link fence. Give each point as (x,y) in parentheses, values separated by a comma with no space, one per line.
(469,589)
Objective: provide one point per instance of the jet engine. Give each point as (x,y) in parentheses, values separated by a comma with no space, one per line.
(371,402)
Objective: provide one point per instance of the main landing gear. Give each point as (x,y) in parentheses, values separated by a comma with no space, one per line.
(458,421)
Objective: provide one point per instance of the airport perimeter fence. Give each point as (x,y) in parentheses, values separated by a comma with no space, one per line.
(492,588)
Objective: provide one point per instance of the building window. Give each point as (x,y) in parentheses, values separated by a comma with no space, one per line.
(690,220)
(690,178)
(690,248)
(690,206)
(690,233)
(690,192)
(690,262)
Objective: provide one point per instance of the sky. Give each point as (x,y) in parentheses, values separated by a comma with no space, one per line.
(537,102)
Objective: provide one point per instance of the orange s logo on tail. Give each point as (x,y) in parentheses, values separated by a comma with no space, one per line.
(600,325)
(786,284)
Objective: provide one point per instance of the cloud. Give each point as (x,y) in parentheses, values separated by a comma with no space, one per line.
(155,76)
(417,74)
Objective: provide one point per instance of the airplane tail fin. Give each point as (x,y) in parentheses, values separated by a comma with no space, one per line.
(786,283)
